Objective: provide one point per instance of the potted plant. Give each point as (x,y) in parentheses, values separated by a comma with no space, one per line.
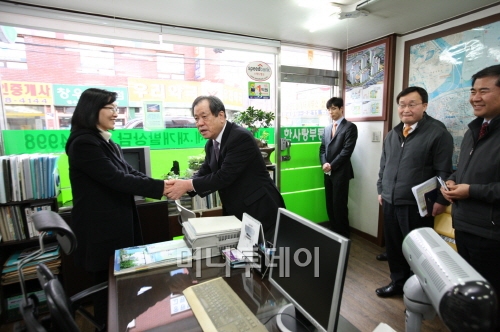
(194,164)
(254,119)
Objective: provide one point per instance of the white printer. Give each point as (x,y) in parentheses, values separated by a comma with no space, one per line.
(208,236)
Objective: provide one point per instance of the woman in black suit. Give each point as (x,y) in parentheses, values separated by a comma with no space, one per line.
(238,172)
(104,216)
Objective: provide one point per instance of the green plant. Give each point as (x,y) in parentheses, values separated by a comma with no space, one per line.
(195,162)
(254,119)
(170,176)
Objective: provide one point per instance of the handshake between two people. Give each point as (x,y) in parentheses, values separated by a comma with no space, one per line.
(174,189)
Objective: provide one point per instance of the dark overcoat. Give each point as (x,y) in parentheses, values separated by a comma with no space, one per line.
(104,216)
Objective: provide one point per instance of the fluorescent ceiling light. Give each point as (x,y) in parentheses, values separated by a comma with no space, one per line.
(313,3)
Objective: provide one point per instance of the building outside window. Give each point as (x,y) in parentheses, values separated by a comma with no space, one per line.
(58,67)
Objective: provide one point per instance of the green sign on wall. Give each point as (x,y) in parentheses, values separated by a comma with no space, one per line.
(68,95)
(54,141)
(302,134)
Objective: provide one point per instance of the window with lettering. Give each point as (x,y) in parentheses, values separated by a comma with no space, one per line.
(58,67)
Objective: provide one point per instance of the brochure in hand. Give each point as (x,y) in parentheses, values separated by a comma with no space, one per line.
(425,195)
(151,256)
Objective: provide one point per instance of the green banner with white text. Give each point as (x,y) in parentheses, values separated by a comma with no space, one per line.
(54,141)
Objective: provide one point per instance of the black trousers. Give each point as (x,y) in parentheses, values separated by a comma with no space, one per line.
(100,299)
(336,198)
(399,221)
(484,256)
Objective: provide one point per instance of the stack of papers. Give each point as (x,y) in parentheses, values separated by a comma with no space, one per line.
(425,195)
(51,258)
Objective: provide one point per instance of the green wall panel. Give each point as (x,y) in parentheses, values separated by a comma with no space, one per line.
(302,155)
(301,179)
(309,204)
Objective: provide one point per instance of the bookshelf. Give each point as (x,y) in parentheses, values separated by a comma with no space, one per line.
(21,236)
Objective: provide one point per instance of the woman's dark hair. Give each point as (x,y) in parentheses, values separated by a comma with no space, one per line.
(86,115)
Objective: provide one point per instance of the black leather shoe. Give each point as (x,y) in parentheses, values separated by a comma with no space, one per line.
(382,256)
(389,290)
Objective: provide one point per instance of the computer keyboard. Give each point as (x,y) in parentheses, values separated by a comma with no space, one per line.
(218,308)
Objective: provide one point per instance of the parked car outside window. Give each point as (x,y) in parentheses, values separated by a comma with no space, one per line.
(170,122)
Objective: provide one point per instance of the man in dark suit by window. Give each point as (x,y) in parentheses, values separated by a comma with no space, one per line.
(233,166)
(337,145)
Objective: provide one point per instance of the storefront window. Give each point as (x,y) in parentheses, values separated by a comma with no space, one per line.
(58,67)
(304,104)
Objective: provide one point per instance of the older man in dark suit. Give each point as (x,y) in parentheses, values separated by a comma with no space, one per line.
(337,145)
(233,165)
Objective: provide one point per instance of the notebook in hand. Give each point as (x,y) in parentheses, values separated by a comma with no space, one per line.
(430,199)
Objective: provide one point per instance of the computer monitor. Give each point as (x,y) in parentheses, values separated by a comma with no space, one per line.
(309,267)
(139,158)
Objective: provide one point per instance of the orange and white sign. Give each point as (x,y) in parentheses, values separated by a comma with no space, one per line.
(27,93)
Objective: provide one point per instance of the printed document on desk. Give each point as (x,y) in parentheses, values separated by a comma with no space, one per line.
(420,191)
(150,256)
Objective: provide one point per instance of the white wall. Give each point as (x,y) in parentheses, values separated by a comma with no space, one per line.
(363,204)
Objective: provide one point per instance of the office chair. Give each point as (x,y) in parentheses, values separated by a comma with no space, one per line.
(45,275)
(60,313)
(184,214)
(62,309)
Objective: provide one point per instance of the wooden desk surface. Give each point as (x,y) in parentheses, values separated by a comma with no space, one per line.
(147,300)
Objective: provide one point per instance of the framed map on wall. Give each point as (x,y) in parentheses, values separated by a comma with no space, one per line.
(443,64)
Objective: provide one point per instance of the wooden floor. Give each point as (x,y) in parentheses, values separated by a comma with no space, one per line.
(360,305)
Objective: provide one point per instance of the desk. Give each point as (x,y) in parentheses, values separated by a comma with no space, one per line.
(152,309)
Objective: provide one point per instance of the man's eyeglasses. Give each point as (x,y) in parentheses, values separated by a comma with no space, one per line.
(111,109)
(410,106)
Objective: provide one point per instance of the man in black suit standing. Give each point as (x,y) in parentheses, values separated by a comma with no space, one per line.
(233,166)
(337,145)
